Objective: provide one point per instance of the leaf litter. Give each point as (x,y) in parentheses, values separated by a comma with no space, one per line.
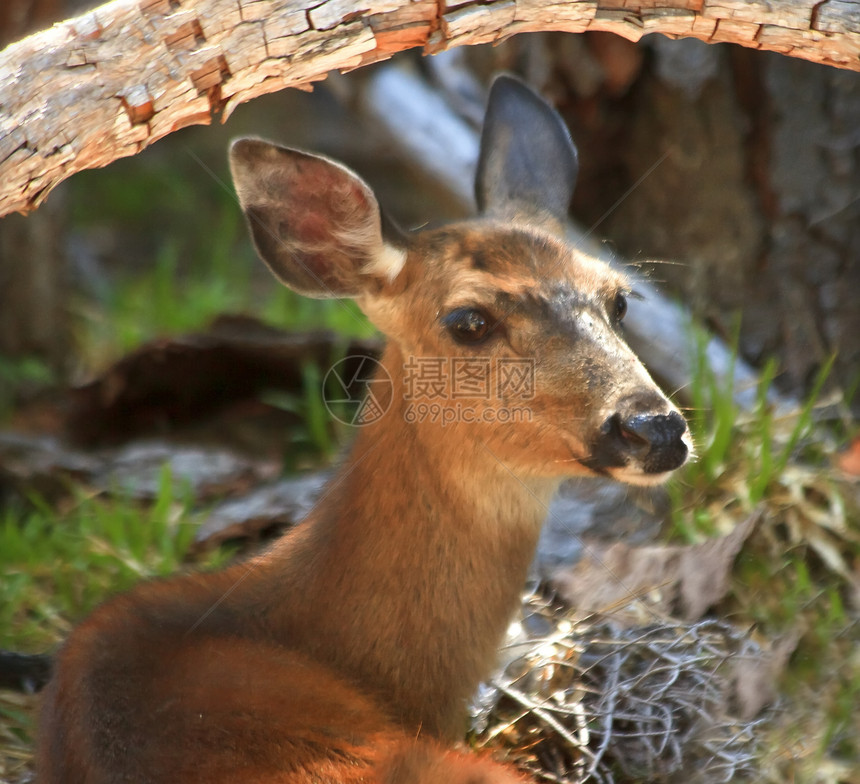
(591,700)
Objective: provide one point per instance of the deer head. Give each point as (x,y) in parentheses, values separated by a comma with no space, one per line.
(556,391)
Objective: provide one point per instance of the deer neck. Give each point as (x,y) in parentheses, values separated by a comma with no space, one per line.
(408,571)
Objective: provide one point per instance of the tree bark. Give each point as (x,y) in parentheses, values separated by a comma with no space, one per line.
(19,17)
(107,84)
(34,287)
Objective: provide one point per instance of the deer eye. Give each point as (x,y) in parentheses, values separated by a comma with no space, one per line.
(619,308)
(467,325)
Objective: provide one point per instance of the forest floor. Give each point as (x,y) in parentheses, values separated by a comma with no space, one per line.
(81,521)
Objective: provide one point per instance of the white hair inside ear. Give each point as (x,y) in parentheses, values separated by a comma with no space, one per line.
(387,263)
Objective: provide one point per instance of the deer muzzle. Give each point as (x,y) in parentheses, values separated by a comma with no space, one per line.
(644,443)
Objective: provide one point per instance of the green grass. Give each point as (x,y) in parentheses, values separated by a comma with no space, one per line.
(19,375)
(190,258)
(179,295)
(741,456)
(58,564)
(795,575)
(315,440)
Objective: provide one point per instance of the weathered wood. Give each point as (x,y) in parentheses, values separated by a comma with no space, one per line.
(107,84)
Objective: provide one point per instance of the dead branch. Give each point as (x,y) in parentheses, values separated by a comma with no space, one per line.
(107,84)
(581,702)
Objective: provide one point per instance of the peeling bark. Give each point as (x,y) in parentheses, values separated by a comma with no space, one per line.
(109,83)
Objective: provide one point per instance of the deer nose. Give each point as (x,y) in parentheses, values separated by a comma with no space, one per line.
(655,441)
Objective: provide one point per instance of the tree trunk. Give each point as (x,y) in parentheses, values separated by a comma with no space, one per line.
(758,198)
(731,175)
(34,288)
(108,83)
(19,17)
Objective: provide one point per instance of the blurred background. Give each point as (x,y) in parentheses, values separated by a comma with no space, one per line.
(753,210)
(152,373)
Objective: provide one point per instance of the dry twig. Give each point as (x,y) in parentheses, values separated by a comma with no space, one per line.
(589,702)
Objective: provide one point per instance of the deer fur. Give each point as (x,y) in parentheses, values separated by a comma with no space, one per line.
(348,651)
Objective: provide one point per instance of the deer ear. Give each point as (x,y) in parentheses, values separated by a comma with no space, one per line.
(316,224)
(528,163)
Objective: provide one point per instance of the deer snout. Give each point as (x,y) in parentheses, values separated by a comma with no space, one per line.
(639,442)
(656,441)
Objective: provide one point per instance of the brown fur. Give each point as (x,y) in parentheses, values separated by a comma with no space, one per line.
(347,652)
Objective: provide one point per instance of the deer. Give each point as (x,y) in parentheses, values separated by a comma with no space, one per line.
(348,651)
